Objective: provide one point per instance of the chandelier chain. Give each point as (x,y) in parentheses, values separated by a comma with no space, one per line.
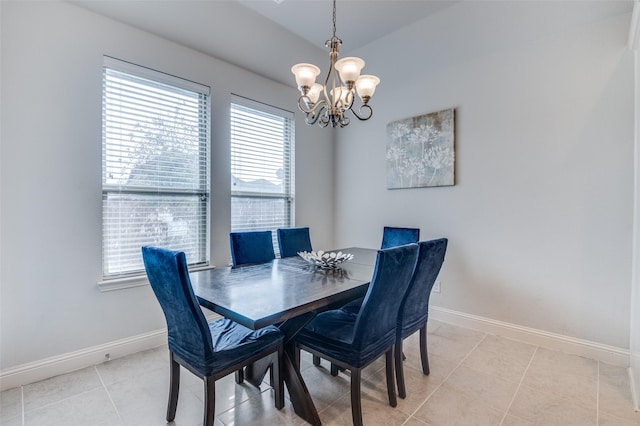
(334,19)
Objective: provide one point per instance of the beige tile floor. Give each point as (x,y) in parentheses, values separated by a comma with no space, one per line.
(476,379)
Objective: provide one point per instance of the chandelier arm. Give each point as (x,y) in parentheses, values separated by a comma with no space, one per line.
(313,115)
(304,100)
(363,117)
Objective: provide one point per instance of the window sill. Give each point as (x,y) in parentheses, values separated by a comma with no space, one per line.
(134,281)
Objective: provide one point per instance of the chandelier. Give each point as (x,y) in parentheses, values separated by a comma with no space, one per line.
(327,104)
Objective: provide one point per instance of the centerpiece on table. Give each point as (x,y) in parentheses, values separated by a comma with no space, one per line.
(328,260)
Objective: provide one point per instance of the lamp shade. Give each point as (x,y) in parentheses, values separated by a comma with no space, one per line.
(349,68)
(339,96)
(314,92)
(366,86)
(305,74)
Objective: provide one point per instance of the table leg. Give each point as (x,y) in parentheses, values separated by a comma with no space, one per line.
(300,398)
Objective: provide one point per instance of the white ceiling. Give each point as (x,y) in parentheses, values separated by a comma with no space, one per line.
(358,22)
(269,36)
(257,34)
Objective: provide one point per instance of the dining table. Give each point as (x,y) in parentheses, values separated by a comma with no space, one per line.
(288,293)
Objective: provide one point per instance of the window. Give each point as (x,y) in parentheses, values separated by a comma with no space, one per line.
(262,164)
(155,169)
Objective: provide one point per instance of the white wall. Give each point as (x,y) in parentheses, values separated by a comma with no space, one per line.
(51,174)
(540,218)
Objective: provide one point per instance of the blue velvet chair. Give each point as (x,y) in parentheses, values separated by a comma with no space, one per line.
(251,247)
(351,341)
(209,350)
(414,310)
(293,240)
(393,237)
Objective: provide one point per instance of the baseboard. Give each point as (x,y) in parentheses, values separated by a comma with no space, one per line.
(72,361)
(608,354)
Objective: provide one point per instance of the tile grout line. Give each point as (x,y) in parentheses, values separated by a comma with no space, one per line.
(446,378)
(108,393)
(22,404)
(513,398)
(598,396)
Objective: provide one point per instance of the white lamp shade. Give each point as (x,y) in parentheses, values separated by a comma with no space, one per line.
(366,85)
(342,93)
(314,92)
(349,68)
(305,74)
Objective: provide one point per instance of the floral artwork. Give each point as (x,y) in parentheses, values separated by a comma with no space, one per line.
(420,151)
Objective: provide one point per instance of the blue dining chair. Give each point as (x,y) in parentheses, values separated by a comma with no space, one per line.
(251,247)
(392,237)
(354,341)
(414,310)
(209,350)
(293,240)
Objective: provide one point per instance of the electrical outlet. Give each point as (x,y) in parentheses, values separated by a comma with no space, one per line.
(436,287)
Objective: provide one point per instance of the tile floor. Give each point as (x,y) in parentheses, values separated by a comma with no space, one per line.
(476,379)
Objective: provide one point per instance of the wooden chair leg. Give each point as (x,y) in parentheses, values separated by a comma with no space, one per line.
(391,386)
(174,388)
(277,372)
(356,404)
(402,391)
(424,356)
(240,375)
(316,360)
(334,370)
(209,401)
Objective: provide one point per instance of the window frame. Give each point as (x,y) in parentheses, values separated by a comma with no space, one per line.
(288,185)
(202,189)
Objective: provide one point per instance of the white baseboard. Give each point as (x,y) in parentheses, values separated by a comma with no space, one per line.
(608,354)
(72,361)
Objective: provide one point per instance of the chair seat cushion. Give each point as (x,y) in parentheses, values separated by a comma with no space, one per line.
(331,333)
(233,342)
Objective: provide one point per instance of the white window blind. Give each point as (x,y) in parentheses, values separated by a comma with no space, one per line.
(262,165)
(155,169)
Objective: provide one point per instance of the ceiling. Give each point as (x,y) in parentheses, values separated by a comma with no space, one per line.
(257,34)
(358,22)
(269,36)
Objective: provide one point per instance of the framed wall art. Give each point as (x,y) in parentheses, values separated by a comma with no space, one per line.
(420,151)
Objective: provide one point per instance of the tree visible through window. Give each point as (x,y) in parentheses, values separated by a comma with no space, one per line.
(262,164)
(155,174)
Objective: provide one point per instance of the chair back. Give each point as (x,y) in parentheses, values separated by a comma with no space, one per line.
(393,237)
(189,335)
(251,247)
(376,322)
(414,309)
(293,240)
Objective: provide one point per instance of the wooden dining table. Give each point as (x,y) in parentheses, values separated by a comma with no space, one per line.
(287,293)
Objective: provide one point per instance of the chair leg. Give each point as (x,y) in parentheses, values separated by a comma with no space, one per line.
(240,375)
(174,388)
(209,401)
(334,370)
(277,372)
(356,404)
(316,360)
(424,356)
(391,386)
(398,357)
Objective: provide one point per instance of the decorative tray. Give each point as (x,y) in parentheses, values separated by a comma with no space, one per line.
(329,260)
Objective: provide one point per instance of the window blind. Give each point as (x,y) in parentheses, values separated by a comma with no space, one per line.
(262,167)
(155,170)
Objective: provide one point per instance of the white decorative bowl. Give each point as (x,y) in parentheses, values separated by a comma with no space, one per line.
(330,260)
